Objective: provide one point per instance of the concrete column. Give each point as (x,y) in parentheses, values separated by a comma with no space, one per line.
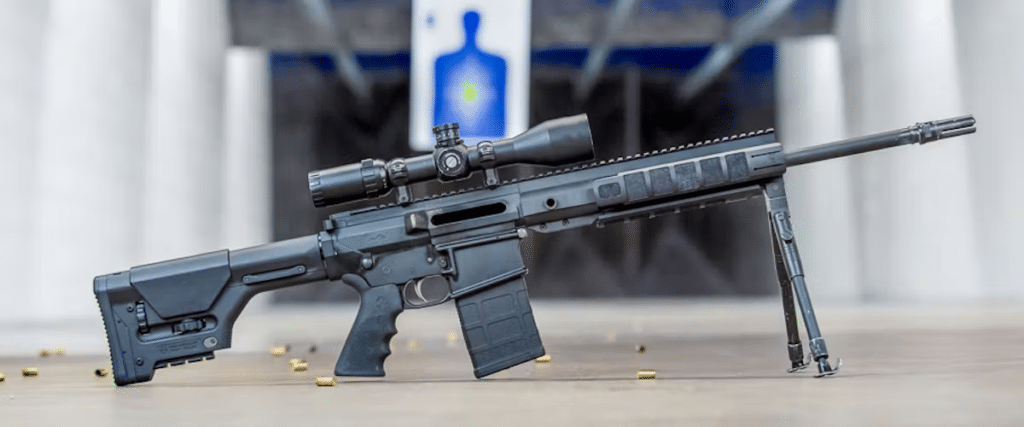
(246,167)
(915,221)
(22,34)
(989,39)
(92,128)
(181,203)
(811,112)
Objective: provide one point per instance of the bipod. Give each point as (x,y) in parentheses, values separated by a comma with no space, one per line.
(791,279)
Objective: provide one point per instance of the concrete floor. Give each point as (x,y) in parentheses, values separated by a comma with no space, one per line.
(717,363)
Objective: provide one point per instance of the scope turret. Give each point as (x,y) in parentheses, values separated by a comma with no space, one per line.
(552,143)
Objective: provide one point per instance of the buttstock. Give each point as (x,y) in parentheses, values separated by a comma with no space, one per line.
(179,311)
(135,350)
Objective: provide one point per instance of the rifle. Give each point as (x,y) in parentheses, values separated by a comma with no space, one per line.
(413,252)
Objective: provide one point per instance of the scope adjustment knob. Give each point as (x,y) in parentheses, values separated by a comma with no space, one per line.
(447,135)
(451,162)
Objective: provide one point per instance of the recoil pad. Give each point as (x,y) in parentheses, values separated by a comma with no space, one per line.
(120,332)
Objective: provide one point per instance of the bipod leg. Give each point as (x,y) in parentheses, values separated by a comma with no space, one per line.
(778,211)
(796,349)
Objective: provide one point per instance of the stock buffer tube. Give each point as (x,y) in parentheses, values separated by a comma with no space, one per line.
(552,143)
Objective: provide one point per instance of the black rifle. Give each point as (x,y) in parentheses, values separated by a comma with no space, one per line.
(411,252)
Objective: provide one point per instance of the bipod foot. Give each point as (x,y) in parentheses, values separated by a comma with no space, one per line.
(824,369)
(799,365)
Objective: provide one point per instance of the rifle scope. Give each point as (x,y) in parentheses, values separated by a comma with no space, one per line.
(552,143)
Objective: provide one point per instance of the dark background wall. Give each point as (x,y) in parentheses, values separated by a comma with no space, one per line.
(720,250)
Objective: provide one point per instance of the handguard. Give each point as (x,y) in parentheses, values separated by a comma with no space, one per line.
(368,343)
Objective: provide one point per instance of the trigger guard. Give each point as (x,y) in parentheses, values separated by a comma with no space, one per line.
(415,287)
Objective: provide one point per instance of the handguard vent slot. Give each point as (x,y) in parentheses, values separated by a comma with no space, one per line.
(467,214)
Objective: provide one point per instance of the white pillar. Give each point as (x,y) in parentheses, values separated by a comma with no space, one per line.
(810,112)
(22,34)
(182,198)
(915,220)
(246,167)
(990,40)
(92,128)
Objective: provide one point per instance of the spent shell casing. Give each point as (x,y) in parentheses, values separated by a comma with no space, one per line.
(300,367)
(543,359)
(44,353)
(278,351)
(2,377)
(326,382)
(101,372)
(30,372)
(58,351)
(295,360)
(646,375)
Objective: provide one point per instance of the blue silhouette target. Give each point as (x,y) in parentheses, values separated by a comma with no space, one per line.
(469,87)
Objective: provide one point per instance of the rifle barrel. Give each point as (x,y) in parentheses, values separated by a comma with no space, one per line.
(918,134)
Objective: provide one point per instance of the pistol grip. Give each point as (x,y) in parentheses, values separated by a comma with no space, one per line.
(368,344)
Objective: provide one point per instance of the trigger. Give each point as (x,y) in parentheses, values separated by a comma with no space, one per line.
(419,290)
(428,291)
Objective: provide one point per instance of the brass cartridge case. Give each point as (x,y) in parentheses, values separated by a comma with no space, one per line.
(646,375)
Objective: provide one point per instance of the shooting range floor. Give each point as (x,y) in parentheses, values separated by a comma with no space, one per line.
(717,363)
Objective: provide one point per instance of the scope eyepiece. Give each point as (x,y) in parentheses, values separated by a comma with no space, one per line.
(552,143)
(338,185)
